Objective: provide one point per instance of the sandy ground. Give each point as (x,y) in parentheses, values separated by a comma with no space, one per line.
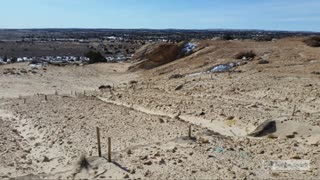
(149,121)
(25,81)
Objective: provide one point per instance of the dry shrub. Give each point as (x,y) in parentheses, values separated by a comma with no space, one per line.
(245,54)
(313,41)
(83,163)
(176,76)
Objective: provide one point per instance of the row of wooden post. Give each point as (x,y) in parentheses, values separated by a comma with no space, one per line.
(99,145)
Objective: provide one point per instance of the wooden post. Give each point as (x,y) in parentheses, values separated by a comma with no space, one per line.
(45,98)
(56,93)
(98,138)
(294,110)
(24,100)
(84,92)
(109,149)
(190,131)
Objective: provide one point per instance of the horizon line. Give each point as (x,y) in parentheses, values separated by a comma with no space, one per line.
(186,29)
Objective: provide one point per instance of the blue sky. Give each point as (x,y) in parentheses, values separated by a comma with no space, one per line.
(299,15)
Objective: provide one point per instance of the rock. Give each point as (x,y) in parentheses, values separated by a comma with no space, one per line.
(147,173)
(174,149)
(179,87)
(290,136)
(144,158)
(266,128)
(46,159)
(296,157)
(148,163)
(230,118)
(157,154)
(161,120)
(129,152)
(263,62)
(176,76)
(126,176)
(204,140)
(133,171)
(202,113)
(162,161)
(272,136)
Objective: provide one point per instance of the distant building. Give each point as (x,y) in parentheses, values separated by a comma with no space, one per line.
(112,38)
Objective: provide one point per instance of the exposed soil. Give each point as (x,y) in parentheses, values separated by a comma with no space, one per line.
(148,113)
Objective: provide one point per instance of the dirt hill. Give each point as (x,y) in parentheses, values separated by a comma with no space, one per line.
(154,55)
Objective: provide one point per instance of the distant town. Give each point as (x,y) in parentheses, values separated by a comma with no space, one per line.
(69,46)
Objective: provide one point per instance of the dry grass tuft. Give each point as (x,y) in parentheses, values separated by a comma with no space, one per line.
(84,163)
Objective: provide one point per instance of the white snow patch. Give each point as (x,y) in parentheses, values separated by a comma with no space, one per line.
(189,47)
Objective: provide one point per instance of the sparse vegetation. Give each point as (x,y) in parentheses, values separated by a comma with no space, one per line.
(263,62)
(84,163)
(95,57)
(263,38)
(246,54)
(176,76)
(35,61)
(227,37)
(313,41)
(14,60)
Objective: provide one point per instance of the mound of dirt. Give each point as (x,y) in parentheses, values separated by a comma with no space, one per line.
(154,55)
(288,129)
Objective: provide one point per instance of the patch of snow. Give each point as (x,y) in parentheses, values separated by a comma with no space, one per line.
(188,48)
(35,65)
(196,74)
(219,68)
(224,67)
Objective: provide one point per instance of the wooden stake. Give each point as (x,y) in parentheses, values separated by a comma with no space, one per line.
(56,93)
(45,98)
(190,131)
(294,110)
(109,149)
(98,138)
(24,100)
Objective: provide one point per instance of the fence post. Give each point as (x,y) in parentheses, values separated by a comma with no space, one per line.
(98,138)
(294,110)
(109,149)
